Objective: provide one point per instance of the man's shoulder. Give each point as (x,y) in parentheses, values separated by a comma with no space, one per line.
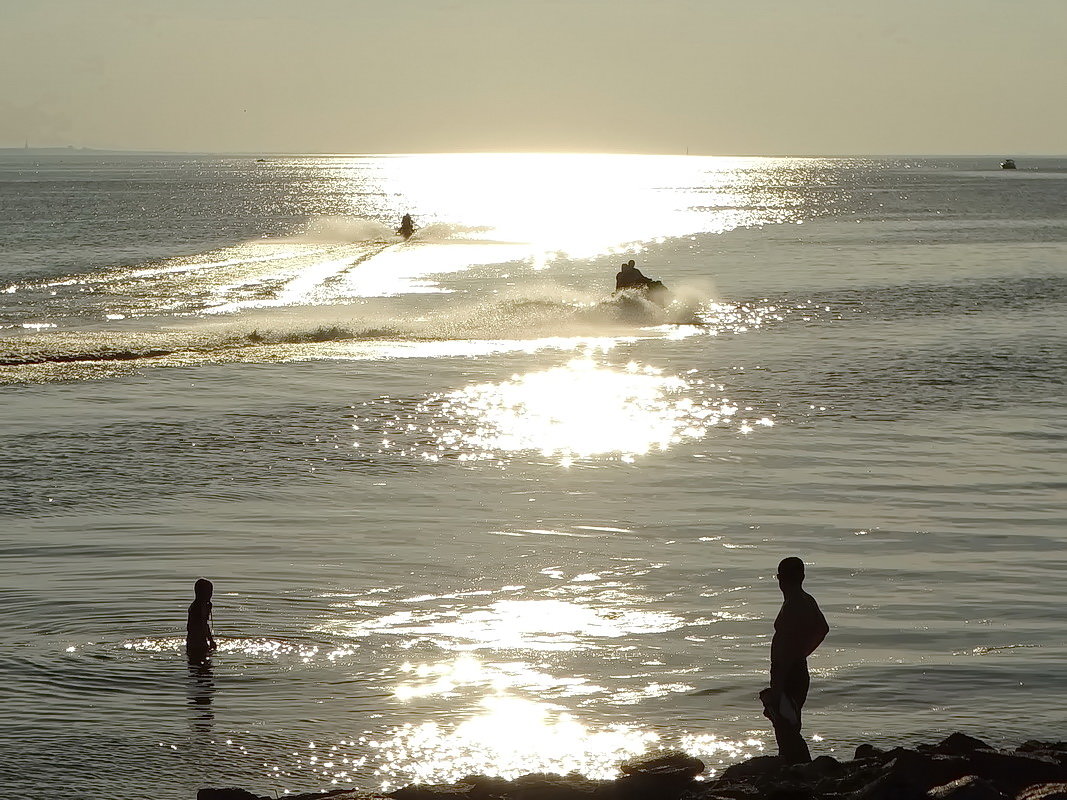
(800,603)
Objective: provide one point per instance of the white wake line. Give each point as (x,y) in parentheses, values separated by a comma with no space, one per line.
(299,287)
(117,274)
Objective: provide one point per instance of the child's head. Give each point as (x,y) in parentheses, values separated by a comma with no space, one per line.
(202,589)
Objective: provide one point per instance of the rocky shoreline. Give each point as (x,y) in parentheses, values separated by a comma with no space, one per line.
(958,768)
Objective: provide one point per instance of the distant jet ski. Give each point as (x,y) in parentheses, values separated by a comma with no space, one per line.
(407,227)
(1008,163)
(630,281)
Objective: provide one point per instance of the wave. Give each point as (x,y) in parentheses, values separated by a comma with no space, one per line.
(535,313)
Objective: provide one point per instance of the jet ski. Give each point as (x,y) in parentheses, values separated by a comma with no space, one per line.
(631,280)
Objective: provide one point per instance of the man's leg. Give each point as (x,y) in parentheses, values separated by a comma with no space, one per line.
(796,687)
(792,748)
(791,745)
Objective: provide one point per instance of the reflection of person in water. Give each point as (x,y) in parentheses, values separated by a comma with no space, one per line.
(200,690)
(798,630)
(407,227)
(630,277)
(198,639)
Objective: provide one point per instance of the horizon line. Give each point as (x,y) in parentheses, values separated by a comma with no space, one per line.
(76,150)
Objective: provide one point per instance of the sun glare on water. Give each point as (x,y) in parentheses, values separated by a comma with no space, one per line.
(576,411)
(509,624)
(509,737)
(580,204)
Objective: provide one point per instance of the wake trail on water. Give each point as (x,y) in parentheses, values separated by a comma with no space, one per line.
(332,260)
(521,317)
(354,230)
(340,288)
(517,316)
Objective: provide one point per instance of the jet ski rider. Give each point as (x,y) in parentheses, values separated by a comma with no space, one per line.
(630,277)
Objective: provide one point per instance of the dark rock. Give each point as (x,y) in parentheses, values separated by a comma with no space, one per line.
(969,788)
(226,794)
(484,786)
(1057,751)
(908,775)
(725,791)
(1014,771)
(960,744)
(556,787)
(854,775)
(757,767)
(670,764)
(1044,791)
(455,791)
(789,793)
(926,770)
(888,787)
(241,794)
(666,775)
(1032,745)
(1059,756)
(821,767)
(868,751)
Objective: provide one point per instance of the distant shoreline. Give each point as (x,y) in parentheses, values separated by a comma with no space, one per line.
(70,150)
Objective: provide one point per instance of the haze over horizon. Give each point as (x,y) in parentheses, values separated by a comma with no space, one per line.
(714,77)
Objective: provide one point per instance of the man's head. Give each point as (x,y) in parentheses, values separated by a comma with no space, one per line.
(790,572)
(203,589)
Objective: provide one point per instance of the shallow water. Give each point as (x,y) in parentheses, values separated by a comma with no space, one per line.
(464,516)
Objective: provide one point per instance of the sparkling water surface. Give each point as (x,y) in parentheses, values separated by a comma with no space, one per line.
(465,514)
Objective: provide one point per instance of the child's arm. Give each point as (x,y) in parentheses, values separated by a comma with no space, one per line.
(207,624)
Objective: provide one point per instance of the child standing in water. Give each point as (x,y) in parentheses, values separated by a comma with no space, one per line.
(198,639)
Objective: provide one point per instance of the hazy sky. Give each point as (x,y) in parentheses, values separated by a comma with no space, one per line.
(716,76)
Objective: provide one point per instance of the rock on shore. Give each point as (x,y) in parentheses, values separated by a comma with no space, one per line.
(959,768)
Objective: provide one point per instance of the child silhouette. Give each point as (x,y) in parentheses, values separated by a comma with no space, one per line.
(198,639)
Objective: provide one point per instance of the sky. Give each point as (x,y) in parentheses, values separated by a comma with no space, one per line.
(717,77)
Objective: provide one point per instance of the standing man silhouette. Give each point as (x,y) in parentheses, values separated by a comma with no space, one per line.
(798,630)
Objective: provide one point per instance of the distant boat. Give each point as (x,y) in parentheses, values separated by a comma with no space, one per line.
(1008,163)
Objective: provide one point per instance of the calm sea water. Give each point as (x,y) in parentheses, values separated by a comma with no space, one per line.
(464,514)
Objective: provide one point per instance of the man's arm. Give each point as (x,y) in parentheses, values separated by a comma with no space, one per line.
(207,624)
(813,624)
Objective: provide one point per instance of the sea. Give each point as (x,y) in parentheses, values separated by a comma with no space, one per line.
(465,511)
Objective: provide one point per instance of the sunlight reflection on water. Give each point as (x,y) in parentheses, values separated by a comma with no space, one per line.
(531,624)
(508,738)
(575,412)
(515,710)
(253,648)
(609,200)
